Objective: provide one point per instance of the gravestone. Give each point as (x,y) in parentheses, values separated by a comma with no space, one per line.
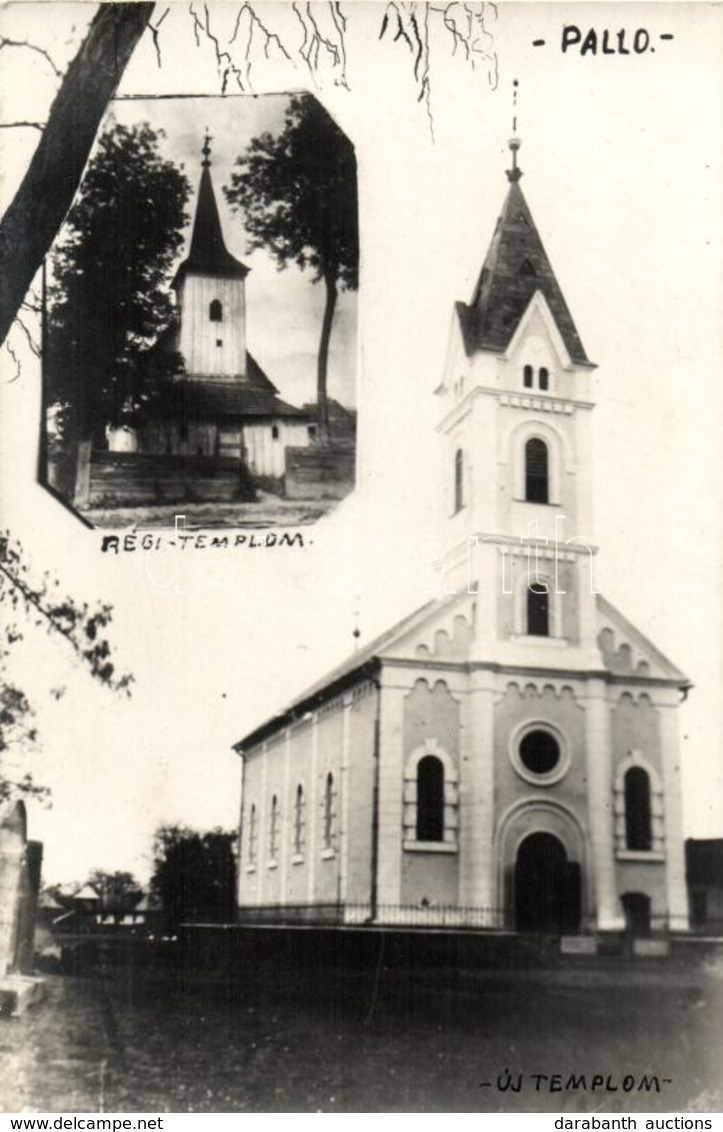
(20,862)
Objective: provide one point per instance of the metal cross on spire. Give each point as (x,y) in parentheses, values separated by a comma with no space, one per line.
(514,173)
(206,151)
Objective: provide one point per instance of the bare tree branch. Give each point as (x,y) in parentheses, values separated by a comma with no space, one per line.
(4,42)
(154,29)
(22,126)
(315,41)
(466,23)
(254,22)
(79,626)
(16,360)
(34,346)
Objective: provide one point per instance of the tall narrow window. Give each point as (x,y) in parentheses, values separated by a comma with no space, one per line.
(458,480)
(274,432)
(536,471)
(527,377)
(430,799)
(299,820)
(638,826)
(329,811)
(274,828)
(544,378)
(253,833)
(215,311)
(538,610)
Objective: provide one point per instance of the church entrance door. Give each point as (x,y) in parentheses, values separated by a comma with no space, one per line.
(547,887)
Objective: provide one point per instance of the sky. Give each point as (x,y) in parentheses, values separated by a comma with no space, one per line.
(622,171)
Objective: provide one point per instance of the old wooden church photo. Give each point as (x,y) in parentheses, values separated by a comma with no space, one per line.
(180,371)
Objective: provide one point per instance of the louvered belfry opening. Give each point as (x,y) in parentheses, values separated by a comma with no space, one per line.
(536,471)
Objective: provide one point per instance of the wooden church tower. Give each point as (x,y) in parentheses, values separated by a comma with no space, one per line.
(211,294)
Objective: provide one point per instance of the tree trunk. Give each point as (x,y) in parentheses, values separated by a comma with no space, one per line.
(322,401)
(40,205)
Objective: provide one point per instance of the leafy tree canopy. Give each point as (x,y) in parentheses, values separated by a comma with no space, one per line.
(119,891)
(109,297)
(194,875)
(297,192)
(27,601)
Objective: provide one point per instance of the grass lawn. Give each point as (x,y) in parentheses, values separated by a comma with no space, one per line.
(146,1038)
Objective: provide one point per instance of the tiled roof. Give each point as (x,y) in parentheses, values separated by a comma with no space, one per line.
(515,268)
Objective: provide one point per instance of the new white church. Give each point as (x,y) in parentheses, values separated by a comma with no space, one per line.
(507,757)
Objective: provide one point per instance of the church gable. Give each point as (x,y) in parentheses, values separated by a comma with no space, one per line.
(627,652)
(445,632)
(538,335)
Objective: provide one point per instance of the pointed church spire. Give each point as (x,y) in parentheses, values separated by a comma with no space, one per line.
(515,268)
(208,254)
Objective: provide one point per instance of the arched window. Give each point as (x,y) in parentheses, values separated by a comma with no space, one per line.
(430,799)
(274,828)
(274,432)
(638,826)
(253,832)
(328,835)
(527,377)
(299,820)
(544,378)
(538,610)
(215,311)
(458,480)
(536,471)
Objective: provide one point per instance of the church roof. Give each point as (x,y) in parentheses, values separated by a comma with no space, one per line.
(363,662)
(515,268)
(208,254)
(640,664)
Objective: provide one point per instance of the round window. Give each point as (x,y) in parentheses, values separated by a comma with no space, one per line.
(539,752)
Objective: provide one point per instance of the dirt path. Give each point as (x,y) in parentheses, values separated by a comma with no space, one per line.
(176,1041)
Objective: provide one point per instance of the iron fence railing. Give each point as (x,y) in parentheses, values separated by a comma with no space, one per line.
(453,916)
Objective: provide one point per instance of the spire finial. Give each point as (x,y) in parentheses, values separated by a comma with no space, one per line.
(206,151)
(514,173)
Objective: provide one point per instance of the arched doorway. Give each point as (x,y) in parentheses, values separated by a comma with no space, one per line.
(547,886)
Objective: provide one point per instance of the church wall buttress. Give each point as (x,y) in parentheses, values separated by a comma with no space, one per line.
(357,793)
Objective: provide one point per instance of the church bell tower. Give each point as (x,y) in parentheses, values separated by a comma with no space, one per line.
(211,294)
(515,425)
